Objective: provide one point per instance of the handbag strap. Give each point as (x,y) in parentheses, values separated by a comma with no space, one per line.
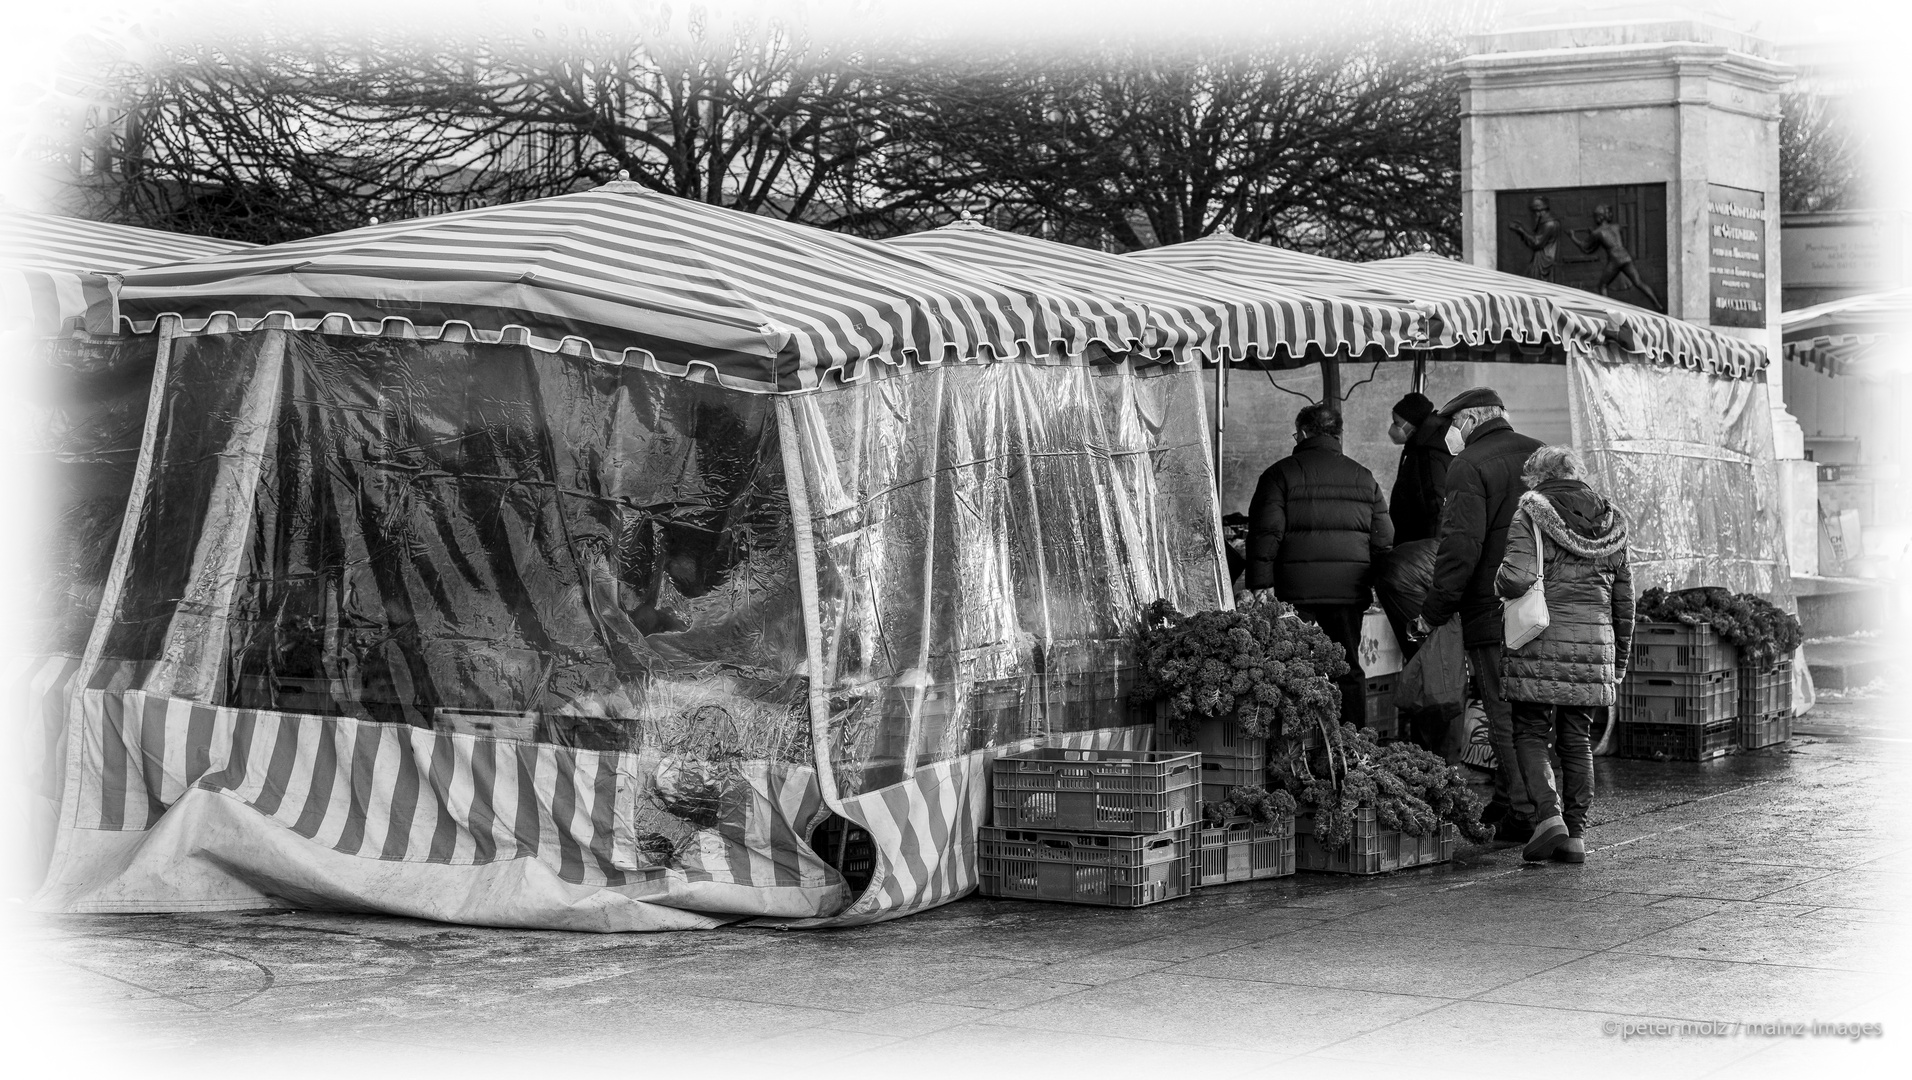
(1540,550)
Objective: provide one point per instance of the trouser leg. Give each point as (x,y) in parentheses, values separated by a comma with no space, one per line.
(1509,787)
(1576,764)
(1533,724)
(1342,624)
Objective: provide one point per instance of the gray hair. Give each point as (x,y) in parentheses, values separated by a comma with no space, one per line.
(1468,419)
(1552,463)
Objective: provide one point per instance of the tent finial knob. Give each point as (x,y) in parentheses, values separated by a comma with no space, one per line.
(624,175)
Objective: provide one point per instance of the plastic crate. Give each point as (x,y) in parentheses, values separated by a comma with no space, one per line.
(1765,729)
(1217,740)
(1383,717)
(1244,850)
(1677,647)
(1118,791)
(1373,850)
(1104,869)
(1765,690)
(1678,742)
(1673,697)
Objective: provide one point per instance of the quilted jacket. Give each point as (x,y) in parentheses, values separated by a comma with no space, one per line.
(1581,656)
(1318,527)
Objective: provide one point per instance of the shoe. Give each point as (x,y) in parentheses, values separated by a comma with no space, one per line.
(1512,830)
(1549,834)
(1571,850)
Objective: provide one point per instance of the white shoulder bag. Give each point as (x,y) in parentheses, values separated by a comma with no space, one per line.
(1525,616)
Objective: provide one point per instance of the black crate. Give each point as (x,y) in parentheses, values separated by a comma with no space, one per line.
(1678,742)
(1244,850)
(1383,717)
(1104,869)
(1221,742)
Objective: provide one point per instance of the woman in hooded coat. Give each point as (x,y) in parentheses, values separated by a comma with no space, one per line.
(1556,681)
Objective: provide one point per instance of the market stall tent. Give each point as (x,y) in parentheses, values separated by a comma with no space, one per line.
(568,563)
(1865,335)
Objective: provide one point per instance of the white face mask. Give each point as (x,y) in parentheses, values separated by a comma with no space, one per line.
(1456,442)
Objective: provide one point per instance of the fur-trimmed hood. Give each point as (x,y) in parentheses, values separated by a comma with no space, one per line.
(1597,530)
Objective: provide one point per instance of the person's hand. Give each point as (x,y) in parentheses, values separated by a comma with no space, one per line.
(1418,630)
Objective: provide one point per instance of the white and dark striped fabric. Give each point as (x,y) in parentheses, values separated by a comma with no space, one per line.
(1191,315)
(1844,336)
(1463,312)
(51,266)
(633,276)
(1647,334)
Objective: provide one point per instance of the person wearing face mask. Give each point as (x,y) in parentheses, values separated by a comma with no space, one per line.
(1421,479)
(1318,530)
(1483,489)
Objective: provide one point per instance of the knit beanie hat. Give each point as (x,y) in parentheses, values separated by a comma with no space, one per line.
(1413,408)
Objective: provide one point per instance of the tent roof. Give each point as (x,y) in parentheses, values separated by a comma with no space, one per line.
(1464,312)
(53,265)
(632,276)
(1659,338)
(1842,336)
(1190,313)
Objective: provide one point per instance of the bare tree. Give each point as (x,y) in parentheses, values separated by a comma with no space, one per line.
(1820,153)
(1347,145)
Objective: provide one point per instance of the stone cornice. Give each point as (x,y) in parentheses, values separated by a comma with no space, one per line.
(1601,63)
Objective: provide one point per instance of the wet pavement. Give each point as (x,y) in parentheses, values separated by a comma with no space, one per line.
(1724,910)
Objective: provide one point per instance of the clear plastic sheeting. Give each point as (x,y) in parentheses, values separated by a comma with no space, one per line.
(467,538)
(88,409)
(1688,459)
(985,537)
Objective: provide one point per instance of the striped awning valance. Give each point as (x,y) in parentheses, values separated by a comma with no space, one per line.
(52,268)
(1191,314)
(1463,312)
(1649,335)
(632,276)
(1867,334)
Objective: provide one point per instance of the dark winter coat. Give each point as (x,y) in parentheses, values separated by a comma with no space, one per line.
(1420,481)
(1581,656)
(1318,527)
(1483,484)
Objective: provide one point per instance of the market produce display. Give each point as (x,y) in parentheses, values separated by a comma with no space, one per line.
(1254,803)
(1272,671)
(1763,634)
(1409,789)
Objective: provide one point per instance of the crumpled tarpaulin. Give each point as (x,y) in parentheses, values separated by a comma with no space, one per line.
(1687,458)
(478,633)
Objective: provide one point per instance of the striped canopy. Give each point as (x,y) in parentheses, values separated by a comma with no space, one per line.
(1191,315)
(632,276)
(1656,337)
(1463,312)
(51,267)
(1851,335)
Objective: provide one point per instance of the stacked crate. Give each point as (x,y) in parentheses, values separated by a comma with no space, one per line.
(1680,699)
(1765,703)
(1383,717)
(1115,828)
(1238,849)
(1373,849)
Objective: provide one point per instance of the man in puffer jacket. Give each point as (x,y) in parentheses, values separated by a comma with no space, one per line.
(1557,681)
(1483,484)
(1318,531)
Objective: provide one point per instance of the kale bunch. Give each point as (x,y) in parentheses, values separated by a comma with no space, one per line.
(1763,634)
(1256,804)
(1260,663)
(1409,789)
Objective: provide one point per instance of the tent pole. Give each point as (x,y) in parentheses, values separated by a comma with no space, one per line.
(1331,380)
(1221,404)
(1420,371)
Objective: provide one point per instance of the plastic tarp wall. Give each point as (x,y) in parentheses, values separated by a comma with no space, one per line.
(1688,459)
(984,537)
(488,635)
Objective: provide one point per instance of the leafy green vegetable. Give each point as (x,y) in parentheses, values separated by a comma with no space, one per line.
(1260,663)
(1763,634)
(1410,789)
